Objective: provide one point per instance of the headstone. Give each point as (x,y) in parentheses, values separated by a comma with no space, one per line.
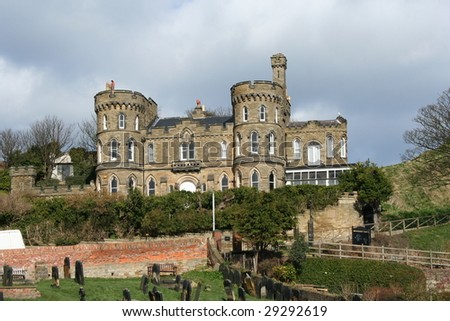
(156,271)
(263,292)
(79,274)
(82,294)
(248,285)
(67,267)
(186,291)
(159,296)
(7,275)
(295,295)
(286,293)
(241,293)
(228,286)
(144,284)
(126,295)
(55,276)
(237,277)
(277,291)
(177,283)
(270,289)
(151,296)
(1,296)
(198,290)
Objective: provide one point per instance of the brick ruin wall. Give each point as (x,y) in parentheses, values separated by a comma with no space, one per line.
(112,259)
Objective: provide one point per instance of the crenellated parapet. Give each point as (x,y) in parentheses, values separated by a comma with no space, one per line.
(22,171)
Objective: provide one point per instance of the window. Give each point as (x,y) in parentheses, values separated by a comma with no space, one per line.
(131,183)
(245,114)
(343,147)
(224,183)
(314,154)
(330,147)
(238,144)
(151,153)
(187,151)
(121,121)
(276,115)
(151,187)
(105,122)
(297,149)
(255,144)
(114,185)
(114,150)
(255,179)
(131,150)
(262,113)
(272,183)
(99,152)
(223,150)
(271,144)
(136,123)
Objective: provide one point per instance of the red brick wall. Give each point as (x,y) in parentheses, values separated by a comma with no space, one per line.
(113,259)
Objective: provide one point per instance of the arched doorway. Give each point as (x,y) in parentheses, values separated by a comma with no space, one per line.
(188,186)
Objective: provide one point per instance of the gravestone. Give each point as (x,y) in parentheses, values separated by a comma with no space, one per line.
(159,296)
(237,277)
(248,285)
(82,294)
(177,283)
(67,267)
(1,296)
(79,274)
(228,286)
(144,284)
(241,293)
(186,291)
(198,290)
(126,295)
(156,271)
(151,296)
(7,276)
(286,293)
(55,276)
(277,291)
(270,289)
(295,295)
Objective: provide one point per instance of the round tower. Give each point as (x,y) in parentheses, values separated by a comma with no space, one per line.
(261,113)
(122,120)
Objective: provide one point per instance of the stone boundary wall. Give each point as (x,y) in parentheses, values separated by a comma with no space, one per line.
(112,259)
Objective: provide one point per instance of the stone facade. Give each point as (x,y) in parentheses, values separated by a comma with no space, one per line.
(258,145)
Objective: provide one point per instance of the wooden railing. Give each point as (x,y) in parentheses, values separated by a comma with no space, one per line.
(429,259)
(412,223)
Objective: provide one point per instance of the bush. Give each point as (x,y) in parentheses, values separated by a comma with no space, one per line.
(297,252)
(285,273)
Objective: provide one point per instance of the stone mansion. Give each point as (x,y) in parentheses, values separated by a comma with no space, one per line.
(258,145)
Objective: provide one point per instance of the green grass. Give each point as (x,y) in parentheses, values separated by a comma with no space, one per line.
(435,238)
(100,289)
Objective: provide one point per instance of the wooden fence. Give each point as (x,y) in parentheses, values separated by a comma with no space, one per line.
(429,259)
(412,223)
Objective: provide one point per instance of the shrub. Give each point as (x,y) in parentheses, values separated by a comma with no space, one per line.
(285,273)
(297,252)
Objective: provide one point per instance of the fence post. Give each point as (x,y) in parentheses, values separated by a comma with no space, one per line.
(431,259)
(382,252)
(320,249)
(390,228)
(407,258)
(340,250)
(404,226)
(362,251)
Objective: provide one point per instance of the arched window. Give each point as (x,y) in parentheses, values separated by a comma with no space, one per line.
(105,122)
(151,187)
(131,150)
(121,121)
(330,147)
(136,123)
(131,183)
(272,181)
(238,144)
(297,149)
(313,153)
(223,150)
(255,143)
(343,147)
(151,153)
(276,115)
(245,114)
(114,185)
(262,113)
(255,179)
(114,150)
(271,144)
(99,152)
(224,183)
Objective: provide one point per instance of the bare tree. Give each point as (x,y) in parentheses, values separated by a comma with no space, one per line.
(431,142)
(88,133)
(10,144)
(52,138)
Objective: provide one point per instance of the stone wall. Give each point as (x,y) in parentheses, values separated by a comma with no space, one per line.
(112,259)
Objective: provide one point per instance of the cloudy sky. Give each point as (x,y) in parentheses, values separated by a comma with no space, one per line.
(374,62)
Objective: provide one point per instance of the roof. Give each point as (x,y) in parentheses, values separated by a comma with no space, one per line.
(324,123)
(207,121)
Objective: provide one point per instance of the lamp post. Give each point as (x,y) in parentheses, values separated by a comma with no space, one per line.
(213,212)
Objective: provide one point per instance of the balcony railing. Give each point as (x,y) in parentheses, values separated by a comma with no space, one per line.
(186,166)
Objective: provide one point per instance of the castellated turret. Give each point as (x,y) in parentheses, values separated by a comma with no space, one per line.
(261,112)
(123,117)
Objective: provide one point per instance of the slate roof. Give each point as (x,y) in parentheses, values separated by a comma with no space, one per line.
(207,121)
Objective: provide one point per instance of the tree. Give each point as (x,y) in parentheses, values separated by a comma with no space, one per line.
(52,138)
(372,185)
(10,145)
(431,143)
(88,133)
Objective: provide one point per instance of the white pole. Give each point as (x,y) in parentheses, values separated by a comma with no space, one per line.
(213,212)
